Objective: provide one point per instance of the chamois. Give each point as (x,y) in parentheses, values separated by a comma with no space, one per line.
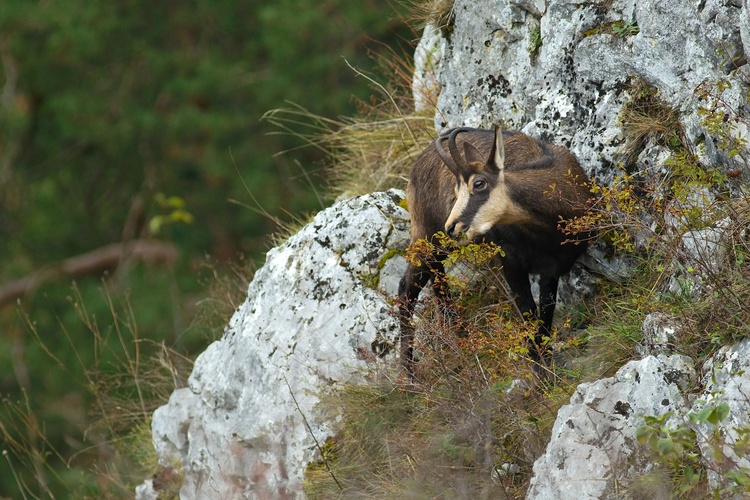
(508,188)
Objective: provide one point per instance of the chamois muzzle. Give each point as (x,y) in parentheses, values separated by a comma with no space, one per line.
(451,229)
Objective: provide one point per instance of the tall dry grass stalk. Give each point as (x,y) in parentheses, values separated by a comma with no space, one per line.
(108,450)
(374,150)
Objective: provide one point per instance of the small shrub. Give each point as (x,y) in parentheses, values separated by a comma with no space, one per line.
(535,41)
(625,29)
(620,28)
(721,120)
(674,447)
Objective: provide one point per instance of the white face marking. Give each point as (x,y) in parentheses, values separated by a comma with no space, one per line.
(495,211)
(462,199)
(498,209)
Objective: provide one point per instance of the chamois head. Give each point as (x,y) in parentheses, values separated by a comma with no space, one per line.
(481,190)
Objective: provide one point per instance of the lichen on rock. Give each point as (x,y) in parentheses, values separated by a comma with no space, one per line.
(247,423)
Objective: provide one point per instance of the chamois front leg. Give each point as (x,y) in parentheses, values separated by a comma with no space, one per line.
(518,281)
(414,280)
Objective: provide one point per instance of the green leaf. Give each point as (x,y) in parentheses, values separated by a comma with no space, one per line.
(175,201)
(643,433)
(702,416)
(692,476)
(181,216)
(665,445)
(155,224)
(722,411)
(741,477)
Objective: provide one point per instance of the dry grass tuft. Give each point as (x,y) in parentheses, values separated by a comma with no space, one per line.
(646,116)
(438,13)
(373,151)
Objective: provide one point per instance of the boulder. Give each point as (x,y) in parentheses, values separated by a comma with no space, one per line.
(724,444)
(593,451)
(316,316)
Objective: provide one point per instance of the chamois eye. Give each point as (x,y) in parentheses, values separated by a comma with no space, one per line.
(479,185)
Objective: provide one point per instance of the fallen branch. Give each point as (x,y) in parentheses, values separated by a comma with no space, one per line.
(95,261)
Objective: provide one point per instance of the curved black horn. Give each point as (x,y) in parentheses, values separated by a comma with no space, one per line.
(454,161)
(454,150)
(445,156)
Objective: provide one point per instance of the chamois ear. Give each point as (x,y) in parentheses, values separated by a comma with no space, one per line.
(497,154)
(472,154)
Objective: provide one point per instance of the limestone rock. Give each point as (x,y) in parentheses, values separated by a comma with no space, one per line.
(247,424)
(593,448)
(726,381)
(658,332)
(572,88)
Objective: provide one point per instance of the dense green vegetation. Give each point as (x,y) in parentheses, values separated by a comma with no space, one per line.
(141,122)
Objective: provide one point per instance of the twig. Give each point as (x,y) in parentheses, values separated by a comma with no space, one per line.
(309,429)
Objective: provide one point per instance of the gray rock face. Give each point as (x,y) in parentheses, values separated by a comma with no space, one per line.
(247,424)
(726,381)
(658,332)
(571,88)
(593,450)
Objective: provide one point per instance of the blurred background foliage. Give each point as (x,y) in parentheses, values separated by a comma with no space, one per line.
(136,123)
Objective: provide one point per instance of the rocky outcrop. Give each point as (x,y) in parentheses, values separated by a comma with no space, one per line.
(317,315)
(562,69)
(593,452)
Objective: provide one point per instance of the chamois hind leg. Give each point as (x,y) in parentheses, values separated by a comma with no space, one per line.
(547,302)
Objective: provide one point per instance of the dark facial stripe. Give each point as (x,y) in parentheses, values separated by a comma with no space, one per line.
(472,208)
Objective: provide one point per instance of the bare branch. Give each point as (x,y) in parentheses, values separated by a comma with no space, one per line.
(95,261)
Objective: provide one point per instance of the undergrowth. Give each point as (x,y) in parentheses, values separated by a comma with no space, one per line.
(472,423)
(126,376)
(476,419)
(462,433)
